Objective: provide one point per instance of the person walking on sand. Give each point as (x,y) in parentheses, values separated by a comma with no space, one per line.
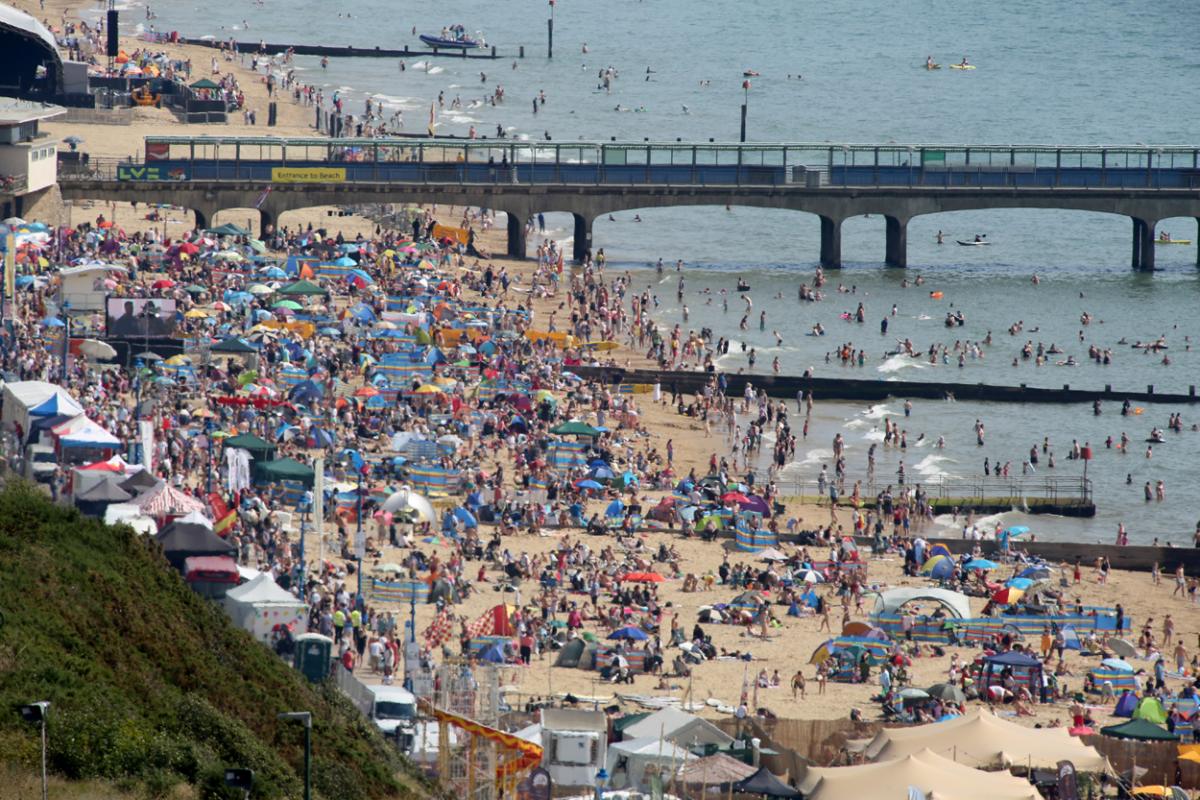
(798,684)
(824,616)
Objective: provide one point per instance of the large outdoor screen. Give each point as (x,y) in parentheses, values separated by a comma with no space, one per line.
(140,317)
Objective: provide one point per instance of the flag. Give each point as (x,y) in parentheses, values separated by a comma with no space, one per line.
(432,119)
(262,198)
(225,523)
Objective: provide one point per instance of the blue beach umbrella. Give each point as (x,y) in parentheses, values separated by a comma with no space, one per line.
(980,563)
(1019,583)
(615,509)
(629,633)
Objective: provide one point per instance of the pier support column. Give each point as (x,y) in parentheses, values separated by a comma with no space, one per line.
(516,234)
(583,237)
(1197,241)
(204,216)
(896,254)
(1143,244)
(266,223)
(831,243)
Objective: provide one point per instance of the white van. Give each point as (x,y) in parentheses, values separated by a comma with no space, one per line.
(393,708)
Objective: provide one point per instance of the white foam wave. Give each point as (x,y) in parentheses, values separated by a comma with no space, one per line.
(879,411)
(900,361)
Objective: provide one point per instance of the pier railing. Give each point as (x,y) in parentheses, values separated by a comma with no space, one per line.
(442,161)
(1018,491)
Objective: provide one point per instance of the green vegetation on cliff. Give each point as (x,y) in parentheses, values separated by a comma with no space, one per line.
(150,684)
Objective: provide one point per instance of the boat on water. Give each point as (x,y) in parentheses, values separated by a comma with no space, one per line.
(743,286)
(962,66)
(452,37)
(979,243)
(447,43)
(1172,241)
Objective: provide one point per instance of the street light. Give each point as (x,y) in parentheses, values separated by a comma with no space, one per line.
(305,718)
(36,713)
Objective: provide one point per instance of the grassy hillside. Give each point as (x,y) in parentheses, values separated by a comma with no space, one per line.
(150,685)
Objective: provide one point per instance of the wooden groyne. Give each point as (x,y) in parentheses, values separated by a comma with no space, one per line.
(788,386)
(350,51)
(1139,558)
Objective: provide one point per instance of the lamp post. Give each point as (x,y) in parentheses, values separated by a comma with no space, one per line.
(360,543)
(208,435)
(36,713)
(66,312)
(304,718)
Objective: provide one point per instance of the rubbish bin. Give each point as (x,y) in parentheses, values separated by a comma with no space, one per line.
(312,656)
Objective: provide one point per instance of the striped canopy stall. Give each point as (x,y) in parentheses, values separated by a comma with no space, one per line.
(167,501)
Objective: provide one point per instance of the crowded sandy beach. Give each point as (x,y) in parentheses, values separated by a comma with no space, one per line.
(419,442)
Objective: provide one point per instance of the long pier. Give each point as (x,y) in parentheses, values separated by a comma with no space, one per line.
(592,179)
(350,51)
(786,386)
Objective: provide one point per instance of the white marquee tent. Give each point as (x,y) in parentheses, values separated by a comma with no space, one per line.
(926,771)
(259,605)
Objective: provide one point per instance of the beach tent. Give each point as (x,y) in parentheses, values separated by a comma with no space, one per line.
(892,600)
(228,229)
(628,760)
(1139,729)
(981,739)
(571,654)
(1127,703)
(285,469)
(258,448)
(260,605)
(181,541)
(1071,638)
(678,726)
(1151,710)
(21,397)
(924,771)
(1024,668)
(765,783)
(718,770)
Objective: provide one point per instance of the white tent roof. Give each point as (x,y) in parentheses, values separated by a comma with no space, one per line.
(83,432)
(890,601)
(981,739)
(923,770)
(651,746)
(261,590)
(21,396)
(677,725)
(85,269)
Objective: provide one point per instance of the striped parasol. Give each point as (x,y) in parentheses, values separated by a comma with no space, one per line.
(168,501)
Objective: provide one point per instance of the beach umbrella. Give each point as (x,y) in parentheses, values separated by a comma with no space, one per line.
(428,388)
(643,577)
(947,692)
(390,566)
(1015,530)
(97,349)
(912,693)
(734,497)
(1117,663)
(980,563)
(615,509)
(1081,730)
(1037,573)
(1008,595)
(290,304)
(410,502)
(629,633)
(1019,583)
(587,483)
(771,554)
(812,576)
(53,322)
